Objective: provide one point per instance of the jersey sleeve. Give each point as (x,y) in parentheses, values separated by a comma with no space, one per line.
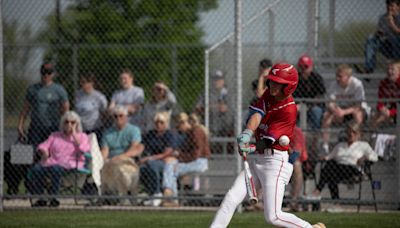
(258,106)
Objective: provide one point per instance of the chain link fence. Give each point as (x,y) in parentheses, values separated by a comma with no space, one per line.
(160,59)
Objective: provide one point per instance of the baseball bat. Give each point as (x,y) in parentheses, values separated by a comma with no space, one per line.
(250,187)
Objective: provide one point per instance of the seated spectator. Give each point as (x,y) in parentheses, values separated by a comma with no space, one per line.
(386,39)
(345,101)
(388,88)
(61,152)
(91,105)
(344,162)
(129,96)
(162,100)
(121,144)
(311,85)
(122,140)
(159,143)
(191,157)
(297,145)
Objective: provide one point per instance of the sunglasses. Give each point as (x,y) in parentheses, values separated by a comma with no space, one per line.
(70,122)
(116,116)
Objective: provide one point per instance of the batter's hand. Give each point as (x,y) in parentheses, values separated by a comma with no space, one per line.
(243,141)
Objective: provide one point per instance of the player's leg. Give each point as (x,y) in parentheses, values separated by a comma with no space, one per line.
(274,172)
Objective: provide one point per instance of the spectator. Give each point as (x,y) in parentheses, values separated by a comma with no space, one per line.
(343,162)
(162,100)
(61,152)
(388,88)
(130,96)
(386,39)
(263,71)
(90,105)
(159,143)
(46,102)
(221,121)
(298,156)
(346,96)
(121,141)
(192,157)
(311,85)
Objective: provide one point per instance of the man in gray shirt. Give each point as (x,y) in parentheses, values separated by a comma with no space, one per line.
(130,96)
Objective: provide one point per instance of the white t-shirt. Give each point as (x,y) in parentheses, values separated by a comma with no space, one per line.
(89,107)
(348,155)
(133,95)
(354,91)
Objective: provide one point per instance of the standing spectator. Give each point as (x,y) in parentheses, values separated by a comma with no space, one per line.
(263,71)
(192,157)
(388,88)
(130,96)
(122,140)
(90,105)
(386,39)
(159,143)
(162,100)
(46,102)
(220,110)
(343,162)
(61,152)
(346,96)
(311,85)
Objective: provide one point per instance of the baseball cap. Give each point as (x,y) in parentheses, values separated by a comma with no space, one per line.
(46,68)
(305,61)
(218,74)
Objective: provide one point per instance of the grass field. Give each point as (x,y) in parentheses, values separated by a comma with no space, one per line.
(179,219)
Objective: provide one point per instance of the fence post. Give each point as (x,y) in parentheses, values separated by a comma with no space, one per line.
(398,151)
(238,74)
(1,110)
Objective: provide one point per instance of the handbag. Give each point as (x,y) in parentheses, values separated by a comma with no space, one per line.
(21,153)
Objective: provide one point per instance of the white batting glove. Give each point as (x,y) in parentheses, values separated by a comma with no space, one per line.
(243,141)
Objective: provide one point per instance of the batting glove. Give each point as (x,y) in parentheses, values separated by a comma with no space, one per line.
(243,141)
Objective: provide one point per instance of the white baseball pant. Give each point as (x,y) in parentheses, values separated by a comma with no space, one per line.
(272,172)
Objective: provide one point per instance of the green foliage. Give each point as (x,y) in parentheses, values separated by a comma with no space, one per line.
(349,41)
(137,34)
(15,65)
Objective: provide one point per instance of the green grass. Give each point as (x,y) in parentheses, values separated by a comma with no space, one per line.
(179,219)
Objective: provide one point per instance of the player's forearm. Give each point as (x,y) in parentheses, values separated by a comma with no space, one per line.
(254,121)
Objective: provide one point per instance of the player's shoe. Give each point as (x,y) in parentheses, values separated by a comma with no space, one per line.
(319,225)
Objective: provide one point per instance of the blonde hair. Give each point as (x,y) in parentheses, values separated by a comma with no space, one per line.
(71,115)
(194,120)
(344,68)
(163,116)
(182,117)
(354,126)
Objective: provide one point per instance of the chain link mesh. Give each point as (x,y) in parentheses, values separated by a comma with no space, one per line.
(166,46)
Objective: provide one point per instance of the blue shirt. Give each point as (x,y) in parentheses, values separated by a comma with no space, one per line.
(156,144)
(119,141)
(45,102)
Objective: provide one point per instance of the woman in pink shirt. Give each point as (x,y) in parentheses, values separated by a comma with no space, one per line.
(61,152)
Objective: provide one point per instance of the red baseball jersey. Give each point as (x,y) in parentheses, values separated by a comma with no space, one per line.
(279,118)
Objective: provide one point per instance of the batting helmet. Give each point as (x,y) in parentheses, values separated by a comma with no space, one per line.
(284,73)
(305,61)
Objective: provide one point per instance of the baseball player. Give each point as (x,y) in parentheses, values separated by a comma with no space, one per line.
(270,117)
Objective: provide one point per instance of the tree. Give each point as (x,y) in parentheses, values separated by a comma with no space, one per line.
(135,34)
(15,65)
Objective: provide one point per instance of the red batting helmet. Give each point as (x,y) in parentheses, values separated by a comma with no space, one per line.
(305,61)
(284,73)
